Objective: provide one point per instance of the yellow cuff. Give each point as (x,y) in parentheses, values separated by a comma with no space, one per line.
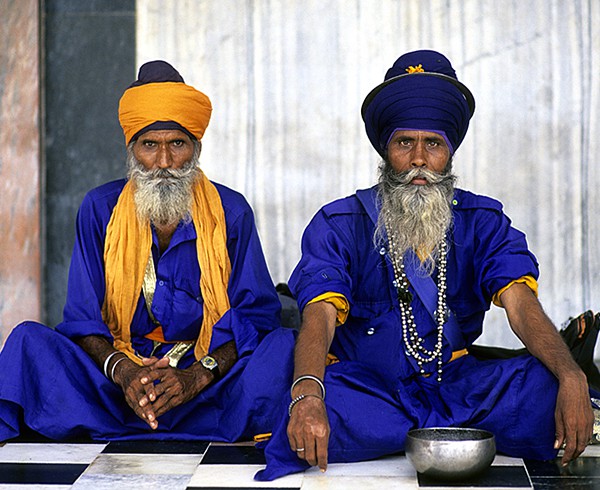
(339,301)
(528,280)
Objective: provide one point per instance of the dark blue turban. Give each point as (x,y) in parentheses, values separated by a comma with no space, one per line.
(420,92)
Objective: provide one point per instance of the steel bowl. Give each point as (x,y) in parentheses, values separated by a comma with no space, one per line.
(448,453)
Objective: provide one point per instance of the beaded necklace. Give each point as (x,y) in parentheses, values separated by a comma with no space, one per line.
(412,341)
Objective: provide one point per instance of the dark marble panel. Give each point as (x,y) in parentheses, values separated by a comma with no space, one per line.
(37,473)
(494,477)
(92,6)
(566,483)
(155,447)
(90,60)
(588,466)
(244,488)
(233,455)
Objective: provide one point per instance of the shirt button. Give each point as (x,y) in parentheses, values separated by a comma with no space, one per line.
(161,283)
(371,331)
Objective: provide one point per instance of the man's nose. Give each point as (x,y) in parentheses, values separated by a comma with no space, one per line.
(419,156)
(165,159)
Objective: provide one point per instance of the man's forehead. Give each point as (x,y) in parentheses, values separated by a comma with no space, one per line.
(163,135)
(415,134)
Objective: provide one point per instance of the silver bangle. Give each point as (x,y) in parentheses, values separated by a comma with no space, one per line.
(107,360)
(112,371)
(309,376)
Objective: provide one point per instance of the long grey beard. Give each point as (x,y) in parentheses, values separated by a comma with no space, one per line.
(163,196)
(417,216)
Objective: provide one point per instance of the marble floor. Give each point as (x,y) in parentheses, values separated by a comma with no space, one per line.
(210,466)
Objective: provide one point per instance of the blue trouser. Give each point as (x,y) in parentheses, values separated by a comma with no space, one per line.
(370,415)
(49,383)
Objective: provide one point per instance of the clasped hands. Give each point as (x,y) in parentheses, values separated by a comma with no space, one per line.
(154,388)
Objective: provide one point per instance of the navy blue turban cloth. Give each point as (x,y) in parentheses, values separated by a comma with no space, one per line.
(420,92)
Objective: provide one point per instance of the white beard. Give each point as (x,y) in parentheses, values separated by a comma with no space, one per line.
(163,196)
(417,216)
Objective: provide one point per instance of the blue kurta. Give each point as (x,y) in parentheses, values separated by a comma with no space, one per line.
(61,392)
(376,393)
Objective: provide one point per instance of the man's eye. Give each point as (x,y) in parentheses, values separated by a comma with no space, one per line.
(178,143)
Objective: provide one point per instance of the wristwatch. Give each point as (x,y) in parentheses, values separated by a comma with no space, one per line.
(210,363)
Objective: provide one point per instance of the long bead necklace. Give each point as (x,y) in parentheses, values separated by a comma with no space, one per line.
(414,344)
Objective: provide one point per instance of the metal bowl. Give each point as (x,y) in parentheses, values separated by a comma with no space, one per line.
(450,453)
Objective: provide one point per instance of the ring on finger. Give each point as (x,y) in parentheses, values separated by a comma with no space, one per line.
(300,450)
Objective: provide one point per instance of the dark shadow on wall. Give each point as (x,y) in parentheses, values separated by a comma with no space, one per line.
(89,60)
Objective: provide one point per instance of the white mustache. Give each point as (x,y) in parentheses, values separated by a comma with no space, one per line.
(408,176)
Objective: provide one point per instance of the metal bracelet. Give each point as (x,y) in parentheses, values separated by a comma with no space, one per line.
(314,378)
(107,360)
(112,371)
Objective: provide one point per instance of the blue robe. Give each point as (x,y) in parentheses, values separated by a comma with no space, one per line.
(375,394)
(49,383)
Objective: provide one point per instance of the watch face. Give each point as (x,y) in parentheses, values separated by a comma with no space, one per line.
(209,362)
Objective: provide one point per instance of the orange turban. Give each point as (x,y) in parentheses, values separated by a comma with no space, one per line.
(153,99)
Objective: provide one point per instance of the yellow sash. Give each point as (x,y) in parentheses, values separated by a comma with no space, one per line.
(126,251)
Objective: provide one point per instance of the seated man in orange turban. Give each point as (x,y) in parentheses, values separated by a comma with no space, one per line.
(170,308)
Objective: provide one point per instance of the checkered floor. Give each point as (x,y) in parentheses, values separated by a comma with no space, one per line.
(200,465)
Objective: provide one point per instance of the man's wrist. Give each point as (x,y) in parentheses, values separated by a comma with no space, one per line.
(211,364)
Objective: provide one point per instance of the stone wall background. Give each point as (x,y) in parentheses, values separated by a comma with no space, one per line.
(287,80)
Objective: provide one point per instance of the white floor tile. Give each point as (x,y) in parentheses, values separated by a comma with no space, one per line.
(593,450)
(236,476)
(500,460)
(330,482)
(144,464)
(131,482)
(49,453)
(392,466)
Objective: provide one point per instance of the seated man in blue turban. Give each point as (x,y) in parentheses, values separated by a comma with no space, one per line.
(393,285)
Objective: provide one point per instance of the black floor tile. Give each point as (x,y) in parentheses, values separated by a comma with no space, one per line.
(243,488)
(156,447)
(495,476)
(233,455)
(543,468)
(37,473)
(566,483)
(588,466)
(28,435)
